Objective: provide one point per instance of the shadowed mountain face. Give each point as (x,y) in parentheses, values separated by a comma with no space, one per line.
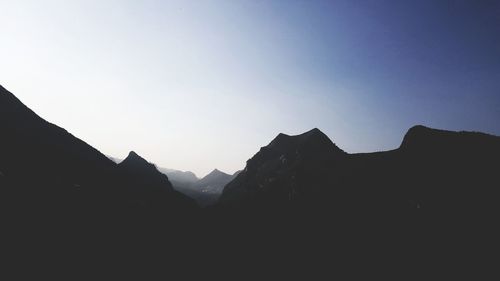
(298,200)
(289,168)
(431,201)
(205,191)
(145,173)
(150,185)
(44,161)
(47,168)
(436,171)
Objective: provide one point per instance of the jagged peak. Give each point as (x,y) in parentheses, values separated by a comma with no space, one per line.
(133,157)
(313,136)
(215,172)
(133,154)
(314,133)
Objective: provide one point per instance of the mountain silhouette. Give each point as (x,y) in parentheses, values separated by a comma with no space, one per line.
(288,168)
(36,154)
(151,185)
(179,178)
(207,190)
(48,170)
(214,180)
(443,172)
(301,202)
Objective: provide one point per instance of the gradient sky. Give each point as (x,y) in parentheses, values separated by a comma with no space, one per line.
(197,85)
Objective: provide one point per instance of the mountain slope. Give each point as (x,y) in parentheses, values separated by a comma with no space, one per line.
(442,172)
(150,185)
(288,168)
(36,153)
(47,168)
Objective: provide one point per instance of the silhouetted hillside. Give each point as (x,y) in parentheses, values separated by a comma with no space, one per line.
(205,191)
(150,185)
(442,172)
(301,203)
(290,167)
(47,168)
(47,164)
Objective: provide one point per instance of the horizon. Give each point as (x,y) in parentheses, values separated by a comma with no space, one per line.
(180,82)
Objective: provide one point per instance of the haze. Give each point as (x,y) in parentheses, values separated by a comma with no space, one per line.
(198,85)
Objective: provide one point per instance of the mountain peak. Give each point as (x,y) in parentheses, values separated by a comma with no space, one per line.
(311,138)
(216,172)
(132,154)
(314,133)
(421,136)
(135,159)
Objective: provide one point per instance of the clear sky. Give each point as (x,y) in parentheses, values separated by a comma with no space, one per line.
(197,85)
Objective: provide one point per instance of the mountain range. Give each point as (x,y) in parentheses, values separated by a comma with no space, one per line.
(299,199)
(436,171)
(205,191)
(47,169)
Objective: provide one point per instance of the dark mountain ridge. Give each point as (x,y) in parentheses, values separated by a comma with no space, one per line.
(149,183)
(205,191)
(301,203)
(280,168)
(48,168)
(432,169)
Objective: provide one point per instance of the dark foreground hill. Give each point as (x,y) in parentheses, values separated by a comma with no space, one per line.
(433,199)
(301,205)
(56,189)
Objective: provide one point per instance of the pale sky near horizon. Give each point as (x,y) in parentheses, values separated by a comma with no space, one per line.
(198,85)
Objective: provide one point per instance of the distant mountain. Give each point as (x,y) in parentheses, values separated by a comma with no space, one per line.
(206,191)
(298,200)
(179,178)
(176,177)
(214,181)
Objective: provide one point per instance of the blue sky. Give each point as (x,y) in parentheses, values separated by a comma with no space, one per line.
(197,85)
